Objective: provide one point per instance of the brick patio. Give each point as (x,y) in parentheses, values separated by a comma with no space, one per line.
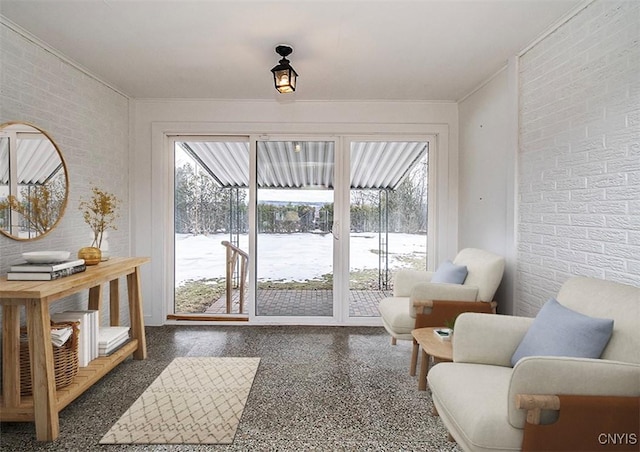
(273,302)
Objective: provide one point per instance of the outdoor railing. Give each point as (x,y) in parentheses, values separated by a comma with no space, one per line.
(235,254)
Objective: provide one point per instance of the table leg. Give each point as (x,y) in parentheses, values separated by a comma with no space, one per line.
(424,369)
(136,317)
(414,358)
(114,302)
(95,298)
(11,355)
(42,374)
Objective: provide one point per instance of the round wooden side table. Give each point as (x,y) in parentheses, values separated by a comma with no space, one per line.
(432,346)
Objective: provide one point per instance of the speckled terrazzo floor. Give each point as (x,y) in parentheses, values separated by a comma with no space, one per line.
(317,389)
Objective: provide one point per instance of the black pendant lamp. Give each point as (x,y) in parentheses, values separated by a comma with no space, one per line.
(284,76)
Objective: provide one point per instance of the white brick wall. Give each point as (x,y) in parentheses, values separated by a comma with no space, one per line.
(579,160)
(90,124)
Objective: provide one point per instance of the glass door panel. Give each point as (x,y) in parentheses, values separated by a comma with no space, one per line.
(211,196)
(294,216)
(388,218)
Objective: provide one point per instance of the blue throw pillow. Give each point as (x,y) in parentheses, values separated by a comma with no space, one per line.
(560,331)
(450,273)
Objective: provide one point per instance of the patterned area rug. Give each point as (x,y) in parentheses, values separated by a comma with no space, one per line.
(193,401)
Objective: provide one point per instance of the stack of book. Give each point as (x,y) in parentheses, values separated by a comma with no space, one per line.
(45,272)
(111,338)
(87,332)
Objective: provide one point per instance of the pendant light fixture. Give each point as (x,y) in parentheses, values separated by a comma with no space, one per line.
(284,76)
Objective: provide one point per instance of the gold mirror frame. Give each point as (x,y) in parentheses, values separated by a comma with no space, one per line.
(31,205)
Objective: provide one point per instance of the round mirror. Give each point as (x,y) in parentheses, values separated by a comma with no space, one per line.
(34,184)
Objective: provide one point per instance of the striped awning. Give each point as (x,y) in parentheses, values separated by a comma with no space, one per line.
(37,159)
(298,164)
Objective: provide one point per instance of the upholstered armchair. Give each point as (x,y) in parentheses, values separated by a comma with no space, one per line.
(513,386)
(418,302)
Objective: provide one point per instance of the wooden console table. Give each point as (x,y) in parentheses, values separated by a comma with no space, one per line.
(37,296)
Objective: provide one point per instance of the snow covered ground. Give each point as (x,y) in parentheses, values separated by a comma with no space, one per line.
(289,257)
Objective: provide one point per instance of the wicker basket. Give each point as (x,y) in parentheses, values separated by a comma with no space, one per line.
(65,359)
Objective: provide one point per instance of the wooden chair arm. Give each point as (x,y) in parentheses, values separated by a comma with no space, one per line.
(423,303)
(535,403)
(583,423)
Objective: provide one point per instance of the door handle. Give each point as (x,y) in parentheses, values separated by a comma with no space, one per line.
(335,230)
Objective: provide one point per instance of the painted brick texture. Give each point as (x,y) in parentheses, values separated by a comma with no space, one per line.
(90,124)
(579,158)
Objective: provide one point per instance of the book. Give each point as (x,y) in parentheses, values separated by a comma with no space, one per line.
(110,334)
(94,326)
(111,338)
(444,334)
(106,351)
(43,268)
(88,349)
(45,276)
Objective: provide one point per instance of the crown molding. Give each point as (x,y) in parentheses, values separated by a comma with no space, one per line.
(57,54)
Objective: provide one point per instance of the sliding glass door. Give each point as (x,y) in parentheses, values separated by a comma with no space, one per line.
(211,195)
(311,229)
(320,257)
(388,199)
(294,221)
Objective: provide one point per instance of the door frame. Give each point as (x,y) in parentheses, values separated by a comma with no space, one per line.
(341,248)
(431,213)
(151,191)
(253,233)
(172,139)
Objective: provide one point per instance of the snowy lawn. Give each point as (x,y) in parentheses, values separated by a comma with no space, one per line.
(285,259)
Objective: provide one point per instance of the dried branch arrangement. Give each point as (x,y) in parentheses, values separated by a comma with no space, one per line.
(100,212)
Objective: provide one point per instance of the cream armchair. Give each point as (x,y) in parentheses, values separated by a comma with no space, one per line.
(414,293)
(487,405)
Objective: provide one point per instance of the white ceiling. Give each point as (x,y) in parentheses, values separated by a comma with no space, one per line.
(343,50)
